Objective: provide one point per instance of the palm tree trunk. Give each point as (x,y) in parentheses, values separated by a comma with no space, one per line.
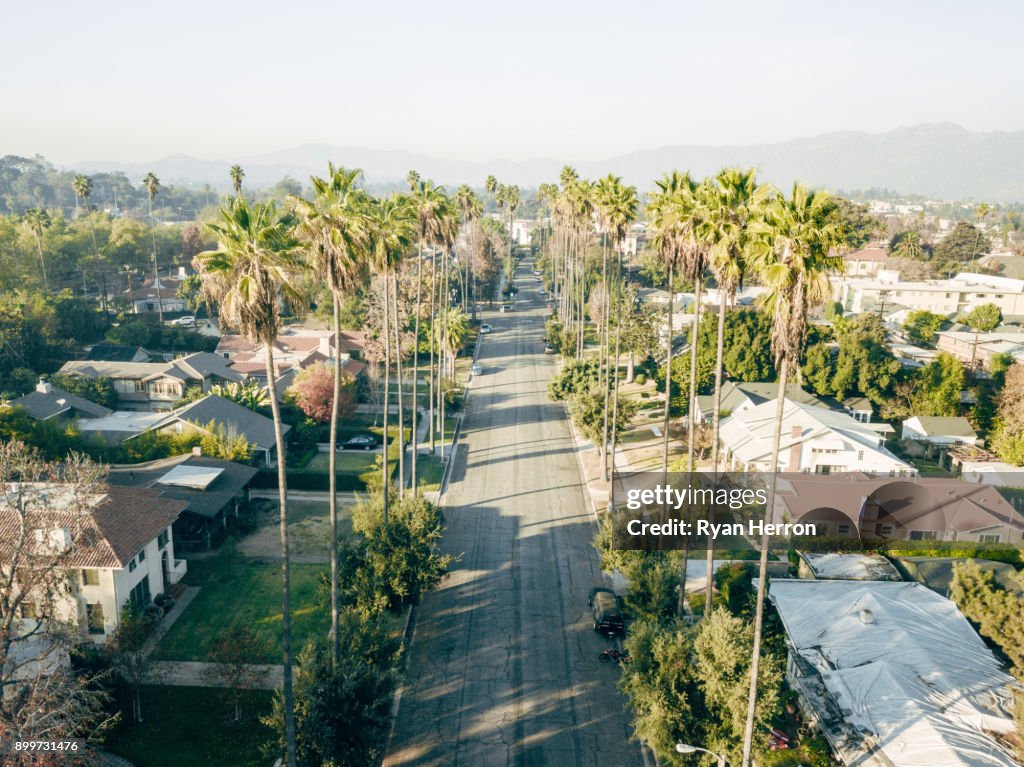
(333,482)
(401,392)
(715,435)
(691,406)
(286,586)
(615,396)
(604,350)
(416,364)
(762,571)
(156,268)
(433,340)
(386,479)
(668,379)
(42,265)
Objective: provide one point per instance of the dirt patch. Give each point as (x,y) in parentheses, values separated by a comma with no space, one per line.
(309,534)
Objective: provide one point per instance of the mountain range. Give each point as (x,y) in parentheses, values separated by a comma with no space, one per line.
(937,160)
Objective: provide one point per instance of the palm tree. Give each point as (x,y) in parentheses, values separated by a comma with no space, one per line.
(251,274)
(491,186)
(512,200)
(794,247)
(983,211)
(471,209)
(412,179)
(335,232)
(237,174)
(909,246)
(392,227)
(152,185)
(725,203)
(38,221)
(430,204)
(82,187)
(451,334)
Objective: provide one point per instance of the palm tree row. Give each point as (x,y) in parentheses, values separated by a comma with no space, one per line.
(346,240)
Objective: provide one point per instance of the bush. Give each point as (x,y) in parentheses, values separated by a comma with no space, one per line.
(734,583)
(641,379)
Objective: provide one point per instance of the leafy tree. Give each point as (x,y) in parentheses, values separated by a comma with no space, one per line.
(819,369)
(314,393)
(225,442)
(722,656)
(855,222)
(922,325)
(981,319)
(588,413)
(575,376)
(1009,438)
(129,655)
(99,389)
(961,246)
(190,291)
(343,709)
(229,662)
(938,387)
(865,362)
(247,394)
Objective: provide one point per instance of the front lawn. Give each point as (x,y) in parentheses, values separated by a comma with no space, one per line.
(429,472)
(354,462)
(193,726)
(248,593)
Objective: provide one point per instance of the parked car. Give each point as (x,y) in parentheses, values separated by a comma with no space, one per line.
(506,308)
(477,369)
(485,328)
(187,321)
(360,442)
(541,291)
(537,272)
(478,308)
(607,615)
(549,349)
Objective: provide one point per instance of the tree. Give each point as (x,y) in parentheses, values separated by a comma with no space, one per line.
(41,698)
(722,656)
(793,251)
(315,393)
(344,709)
(38,221)
(248,394)
(981,319)
(855,222)
(588,413)
(1009,431)
(237,175)
(865,362)
(960,246)
(152,185)
(225,442)
(229,663)
(129,655)
(908,245)
(82,187)
(938,387)
(451,335)
(250,276)
(922,325)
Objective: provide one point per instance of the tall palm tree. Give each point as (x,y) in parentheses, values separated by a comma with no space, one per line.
(471,208)
(909,246)
(82,187)
(237,175)
(335,233)
(38,221)
(725,203)
(250,276)
(412,178)
(431,204)
(512,202)
(491,187)
(450,337)
(392,229)
(983,211)
(152,185)
(794,248)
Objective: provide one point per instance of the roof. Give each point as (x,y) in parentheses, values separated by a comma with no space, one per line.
(193,367)
(44,405)
(920,503)
(257,429)
(353,367)
(115,353)
(122,424)
(852,567)
(867,254)
(937,572)
(106,529)
(953,426)
(97,368)
(736,393)
(227,480)
(904,666)
(235,343)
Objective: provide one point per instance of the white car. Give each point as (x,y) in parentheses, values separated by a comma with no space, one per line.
(485,328)
(476,370)
(188,321)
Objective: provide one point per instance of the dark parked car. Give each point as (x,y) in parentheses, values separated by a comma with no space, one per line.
(607,615)
(361,442)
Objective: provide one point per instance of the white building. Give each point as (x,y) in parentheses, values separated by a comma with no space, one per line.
(940,431)
(814,440)
(981,348)
(119,544)
(946,297)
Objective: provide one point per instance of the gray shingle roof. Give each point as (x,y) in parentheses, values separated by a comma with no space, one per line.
(953,426)
(44,405)
(257,429)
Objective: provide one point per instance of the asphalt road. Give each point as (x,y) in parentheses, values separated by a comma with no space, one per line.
(503,668)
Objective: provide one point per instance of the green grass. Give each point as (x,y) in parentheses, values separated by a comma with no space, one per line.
(248,595)
(349,461)
(193,726)
(429,472)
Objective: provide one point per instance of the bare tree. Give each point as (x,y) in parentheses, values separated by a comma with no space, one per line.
(230,663)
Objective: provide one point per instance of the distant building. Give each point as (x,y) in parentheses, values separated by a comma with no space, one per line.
(940,431)
(981,348)
(865,262)
(739,396)
(953,296)
(117,353)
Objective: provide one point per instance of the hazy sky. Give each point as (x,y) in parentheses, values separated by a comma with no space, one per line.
(224,79)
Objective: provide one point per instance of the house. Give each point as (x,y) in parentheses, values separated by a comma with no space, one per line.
(48,401)
(865,262)
(212,489)
(117,353)
(936,573)
(980,348)
(836,566)
(894,676)
(940,431)
(257,429)
(297,349)
(859,505)
(157,386)
(953,296)
(738,397)
(161,293)
(814,440)
(122,549)
(859,407)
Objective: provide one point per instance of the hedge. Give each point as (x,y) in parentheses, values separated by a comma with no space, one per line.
(317,481)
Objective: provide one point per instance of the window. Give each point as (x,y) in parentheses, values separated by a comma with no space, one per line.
(162,539)
(989,538)
(924,535)
(885,530)
(140,386)
(90,577)
(860,455)
(140,594)
(142,555)
(132,565)
(94,617)
(166,390)
(843,529)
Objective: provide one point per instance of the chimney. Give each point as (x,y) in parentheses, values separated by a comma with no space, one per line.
(44,387)
(795,449)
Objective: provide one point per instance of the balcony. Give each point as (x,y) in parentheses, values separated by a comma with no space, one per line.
(178,571)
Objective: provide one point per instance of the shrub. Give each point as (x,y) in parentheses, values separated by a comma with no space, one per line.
(641,379)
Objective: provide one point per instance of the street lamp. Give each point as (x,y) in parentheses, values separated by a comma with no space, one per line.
(685,748)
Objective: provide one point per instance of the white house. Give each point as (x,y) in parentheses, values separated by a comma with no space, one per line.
(814,440)
(940,431)
(120,549)
(953,296)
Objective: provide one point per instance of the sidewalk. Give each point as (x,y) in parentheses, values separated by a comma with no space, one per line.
(190,674)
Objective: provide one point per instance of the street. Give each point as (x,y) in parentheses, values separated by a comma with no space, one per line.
(503,668)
